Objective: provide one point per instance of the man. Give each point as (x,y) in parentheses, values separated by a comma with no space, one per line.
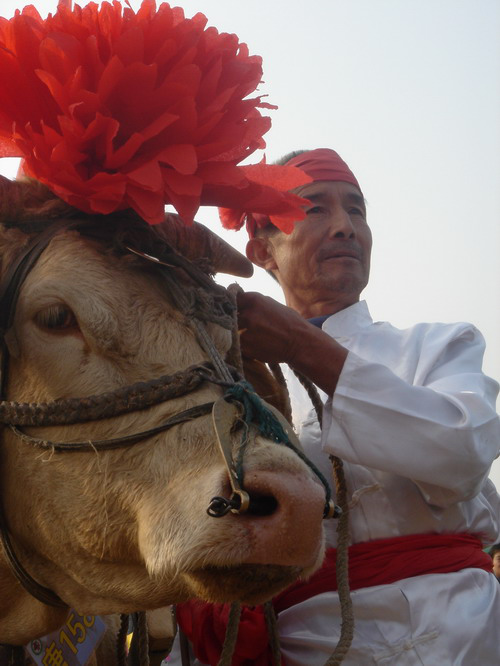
(411,415)
(494,552)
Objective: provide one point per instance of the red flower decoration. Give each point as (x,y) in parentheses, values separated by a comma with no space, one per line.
(273,202)
(115,109)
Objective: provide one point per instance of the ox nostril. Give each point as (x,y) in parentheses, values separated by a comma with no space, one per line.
(262,505)
(253,505)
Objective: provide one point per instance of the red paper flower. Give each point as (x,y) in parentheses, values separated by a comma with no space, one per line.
(272,183)
(114,109)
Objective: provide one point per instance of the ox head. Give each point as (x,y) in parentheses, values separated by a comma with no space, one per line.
(127,529)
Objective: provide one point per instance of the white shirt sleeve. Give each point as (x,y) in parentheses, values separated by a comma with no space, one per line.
(434,424)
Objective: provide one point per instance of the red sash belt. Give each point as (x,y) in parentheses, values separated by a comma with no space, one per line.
(372,563)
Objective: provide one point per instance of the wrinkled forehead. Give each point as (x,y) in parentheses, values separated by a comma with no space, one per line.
(324,164)
(325,189)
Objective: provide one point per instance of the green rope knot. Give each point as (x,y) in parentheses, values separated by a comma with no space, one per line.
(256,412)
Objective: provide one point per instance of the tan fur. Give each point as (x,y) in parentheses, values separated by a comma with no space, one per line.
(106,652)
(124,530)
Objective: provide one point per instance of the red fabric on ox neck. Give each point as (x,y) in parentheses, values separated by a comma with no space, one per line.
(372,563)
(319,164)
(205,625)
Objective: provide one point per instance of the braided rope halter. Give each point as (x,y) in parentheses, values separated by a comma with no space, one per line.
(206,301)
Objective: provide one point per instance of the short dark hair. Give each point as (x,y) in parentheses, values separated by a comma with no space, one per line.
(494,549)
(289,156)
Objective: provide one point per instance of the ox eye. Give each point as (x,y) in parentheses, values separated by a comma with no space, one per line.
(56,318)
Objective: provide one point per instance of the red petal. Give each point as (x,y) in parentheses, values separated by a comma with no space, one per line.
(149,206)
(110,77)
(185,185)
(222,173)
(231,218)
(159,124)
(148,177)
(60,54)
(182,157)
(9,149)
(283,178)
(121,157)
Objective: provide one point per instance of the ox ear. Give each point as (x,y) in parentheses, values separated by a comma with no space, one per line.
(12,343)
(11,242)
(196,241)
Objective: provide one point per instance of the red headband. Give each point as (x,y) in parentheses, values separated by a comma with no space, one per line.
(319,164)
(324,164)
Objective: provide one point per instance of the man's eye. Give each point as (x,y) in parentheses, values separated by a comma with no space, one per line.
(315,210)
(356,211)
(56,318)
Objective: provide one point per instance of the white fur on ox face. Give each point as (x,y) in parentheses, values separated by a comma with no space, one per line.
(127,529)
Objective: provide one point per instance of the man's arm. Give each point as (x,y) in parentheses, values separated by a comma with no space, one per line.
(438,428)
(274,333)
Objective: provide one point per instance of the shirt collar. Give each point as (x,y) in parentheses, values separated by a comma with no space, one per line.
(318,321)
(348,321)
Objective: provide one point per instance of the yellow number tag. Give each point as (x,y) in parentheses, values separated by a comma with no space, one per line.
(71,645)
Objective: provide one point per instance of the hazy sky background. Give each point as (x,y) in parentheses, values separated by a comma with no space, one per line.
(408,92)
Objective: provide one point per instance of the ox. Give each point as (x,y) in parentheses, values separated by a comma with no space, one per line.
(126,529)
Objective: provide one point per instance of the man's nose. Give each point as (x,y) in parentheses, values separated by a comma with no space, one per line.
(341,225)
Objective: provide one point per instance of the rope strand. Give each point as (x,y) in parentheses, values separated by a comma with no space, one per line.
(231,637)
(346,610)
(342,561)
(277,372)
(272,629)
(313,394)
(121,641)
(234,354)
(143,650)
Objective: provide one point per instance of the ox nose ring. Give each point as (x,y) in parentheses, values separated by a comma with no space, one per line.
(237,503)
(224,416)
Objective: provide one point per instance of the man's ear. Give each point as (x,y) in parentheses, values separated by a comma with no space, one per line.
(259,251)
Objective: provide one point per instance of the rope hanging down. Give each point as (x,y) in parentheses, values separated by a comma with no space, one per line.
(342,562)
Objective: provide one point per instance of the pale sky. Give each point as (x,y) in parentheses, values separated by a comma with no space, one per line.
(408,92)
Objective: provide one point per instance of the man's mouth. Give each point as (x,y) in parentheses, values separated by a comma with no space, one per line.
(339,254)
(343,256)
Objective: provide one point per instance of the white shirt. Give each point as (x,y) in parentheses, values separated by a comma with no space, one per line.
(414,421)
(413,418)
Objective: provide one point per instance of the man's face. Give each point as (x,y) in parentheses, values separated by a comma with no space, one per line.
(324,264)
(496,564)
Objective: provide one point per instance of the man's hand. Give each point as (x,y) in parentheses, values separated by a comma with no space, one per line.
(270,332)
(274,333)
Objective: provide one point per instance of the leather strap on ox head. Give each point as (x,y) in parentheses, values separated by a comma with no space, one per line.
(9,293)
(11,284)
